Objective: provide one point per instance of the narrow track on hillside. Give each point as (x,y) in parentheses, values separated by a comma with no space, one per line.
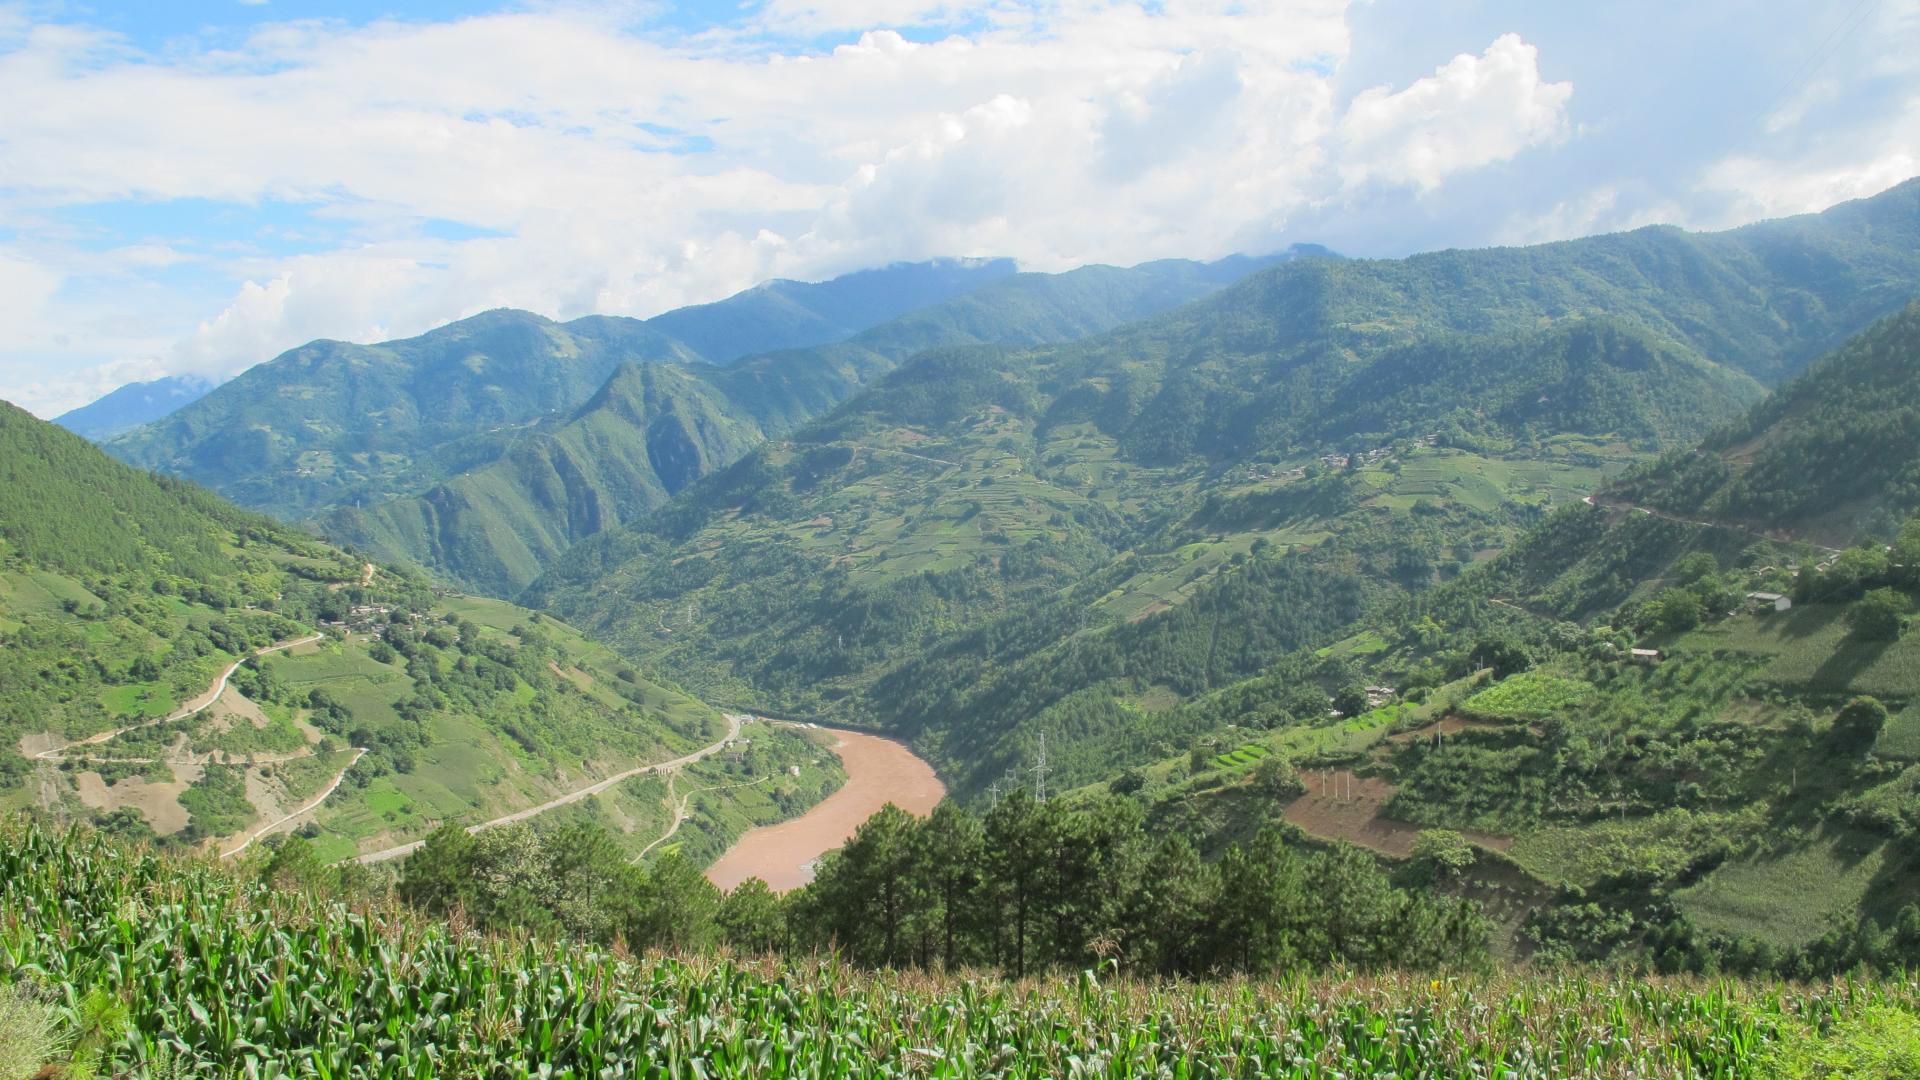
(677,810)
(1782,538)
(205,701)
(734,720)
(312,805)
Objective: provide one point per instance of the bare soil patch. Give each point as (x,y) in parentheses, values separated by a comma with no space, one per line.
(159,804)
(1446,728)
(1347,807)
(234,708)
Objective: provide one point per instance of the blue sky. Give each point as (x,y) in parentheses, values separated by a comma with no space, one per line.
(197,186)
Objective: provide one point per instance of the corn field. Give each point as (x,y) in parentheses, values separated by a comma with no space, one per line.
(220,977)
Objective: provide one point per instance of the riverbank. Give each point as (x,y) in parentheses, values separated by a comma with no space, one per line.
(879,771)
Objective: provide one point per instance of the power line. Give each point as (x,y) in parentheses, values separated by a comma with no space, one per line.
(1822,52)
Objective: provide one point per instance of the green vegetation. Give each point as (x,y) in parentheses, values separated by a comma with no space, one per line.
(122,609)
(508,437)
(1532,696)
(1835,452)
(1077,539)
(183,972)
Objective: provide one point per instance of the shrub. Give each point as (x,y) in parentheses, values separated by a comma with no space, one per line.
(1858,725)
(1880,615)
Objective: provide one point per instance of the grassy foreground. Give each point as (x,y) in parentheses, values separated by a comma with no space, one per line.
(138,959)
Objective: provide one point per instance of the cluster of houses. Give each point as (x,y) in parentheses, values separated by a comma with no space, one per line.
(1371,457)
(1258,471)
(368,619)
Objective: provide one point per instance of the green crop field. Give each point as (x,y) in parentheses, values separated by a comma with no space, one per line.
(1810,647)
(1788,897)
(179,967)
(1528,697)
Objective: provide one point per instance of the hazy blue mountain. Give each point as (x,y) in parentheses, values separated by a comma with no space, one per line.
(796,314)
(134,404)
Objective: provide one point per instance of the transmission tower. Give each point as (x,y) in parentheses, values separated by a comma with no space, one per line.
(1040,771)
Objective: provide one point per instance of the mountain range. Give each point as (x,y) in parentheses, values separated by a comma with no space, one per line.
(1570,579)
(503,437)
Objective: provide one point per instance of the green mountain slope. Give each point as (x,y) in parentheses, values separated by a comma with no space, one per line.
(1739,795)
(987,545)
(126,600)
(1835,453)
(331,424)
(652,430)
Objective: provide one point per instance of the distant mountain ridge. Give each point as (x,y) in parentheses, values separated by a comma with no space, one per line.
(653,429)
(905,560)
(133,405)
(783,314)
(331,424)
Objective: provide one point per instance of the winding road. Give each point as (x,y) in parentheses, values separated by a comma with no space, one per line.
(1781,537)
(312,805)
(193,707)
(734,720)
(199,705)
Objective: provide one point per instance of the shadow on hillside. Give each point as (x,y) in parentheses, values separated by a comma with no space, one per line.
(1806,621)
(1837,672)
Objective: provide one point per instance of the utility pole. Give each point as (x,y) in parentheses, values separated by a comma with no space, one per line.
(993,791)
(1040,771)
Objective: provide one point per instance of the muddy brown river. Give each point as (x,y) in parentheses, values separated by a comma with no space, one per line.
(879,771)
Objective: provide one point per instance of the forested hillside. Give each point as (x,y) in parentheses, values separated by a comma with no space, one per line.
(1684,738)
(333,424)
(651,430)
(989,544)
(1834,454)
(180,670)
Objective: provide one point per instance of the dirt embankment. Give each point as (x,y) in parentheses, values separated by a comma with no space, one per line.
(1340,805)
(879,771)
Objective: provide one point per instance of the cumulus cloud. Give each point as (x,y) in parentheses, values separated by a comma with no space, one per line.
(592,164)
(1472,111)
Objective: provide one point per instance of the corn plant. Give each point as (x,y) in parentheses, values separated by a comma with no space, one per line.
(219,977)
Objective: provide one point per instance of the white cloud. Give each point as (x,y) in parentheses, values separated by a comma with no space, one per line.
(1472,111)
(25,288)
(1824,148)
(1764,187)
(611,169)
